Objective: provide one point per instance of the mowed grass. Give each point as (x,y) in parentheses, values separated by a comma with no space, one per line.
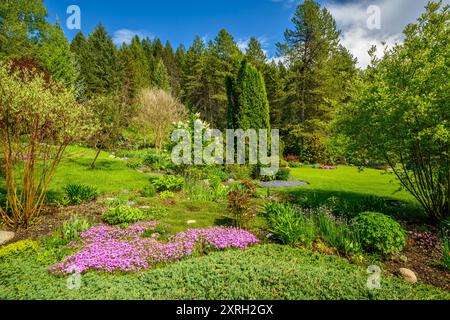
(261,272)
(110,175)
(352,180)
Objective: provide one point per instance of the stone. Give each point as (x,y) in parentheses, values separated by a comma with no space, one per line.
(191,222)
(408,275)
(5,236)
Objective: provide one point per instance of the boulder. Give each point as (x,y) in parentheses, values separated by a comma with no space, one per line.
(6,236)
(408,275)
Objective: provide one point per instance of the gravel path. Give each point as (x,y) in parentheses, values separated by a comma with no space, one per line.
(282,184)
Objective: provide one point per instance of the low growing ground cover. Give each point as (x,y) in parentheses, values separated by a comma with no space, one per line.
(260,272)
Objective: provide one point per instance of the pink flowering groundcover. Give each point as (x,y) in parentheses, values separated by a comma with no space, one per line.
(110,249)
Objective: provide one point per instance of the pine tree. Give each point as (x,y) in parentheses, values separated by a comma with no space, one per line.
(102,72)
(161,77)
(56,57)
(136,70)
(255,54)
(192,93)
(247,100)
(78,45)
(310,49)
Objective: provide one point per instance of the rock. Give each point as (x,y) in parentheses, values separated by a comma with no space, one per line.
(408,275)
(5,236)
(191,222)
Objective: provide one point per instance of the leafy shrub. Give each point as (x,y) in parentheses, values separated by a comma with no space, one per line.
(115,202)
(288,225)
(240,208)
(167,183)
(337,233)
(72,228)
(14,249)
(157,161)
(79,193)
(239,172)
(166,195)
(201,190)
(380,233)
(283,174)
(149,191)
(156,212)
(123,215)
(295,165)
(134,164)
(205,173)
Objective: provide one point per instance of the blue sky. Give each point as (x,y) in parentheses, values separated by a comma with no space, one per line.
(180,21)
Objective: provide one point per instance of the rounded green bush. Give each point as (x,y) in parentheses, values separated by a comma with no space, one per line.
(380,233)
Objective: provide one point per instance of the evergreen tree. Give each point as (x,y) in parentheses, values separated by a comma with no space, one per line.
(255,54)
(311,49)
(56,57)
(102,72)
(136,70)
(161,77)
(78,45)
(193,90)
(275,84)
(248,104)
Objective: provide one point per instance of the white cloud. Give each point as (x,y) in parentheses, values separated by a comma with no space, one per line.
(352,17)
(125,36)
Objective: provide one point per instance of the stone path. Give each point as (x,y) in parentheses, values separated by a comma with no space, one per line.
(5,236)
(282,184)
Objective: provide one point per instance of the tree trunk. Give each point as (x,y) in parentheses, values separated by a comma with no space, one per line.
(95,159)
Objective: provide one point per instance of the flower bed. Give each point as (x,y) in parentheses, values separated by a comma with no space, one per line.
(327,167)
(115,249)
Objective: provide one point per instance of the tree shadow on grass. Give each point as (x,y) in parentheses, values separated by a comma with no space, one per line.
(358,202)
(100,165)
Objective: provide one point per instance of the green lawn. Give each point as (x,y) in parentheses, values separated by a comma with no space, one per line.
(352,180)
(261,272)
(110,175)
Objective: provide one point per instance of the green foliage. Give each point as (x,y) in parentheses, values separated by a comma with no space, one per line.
(446,252)
(79,193)
(101,65)
(167,183)
(72,228)
(380,233)
(149,191)
(123,215)
(288,225)
(240,172)
(157,160)
(287,273)
(22,25)
(248,104)
(399,113)
(346,208)
(212,190)
(39,119)
(166,194)
(56,57)
(317,80)
(283,174)
(338,233)
(156,212)
(161,77)
(134,163)
(14,249)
